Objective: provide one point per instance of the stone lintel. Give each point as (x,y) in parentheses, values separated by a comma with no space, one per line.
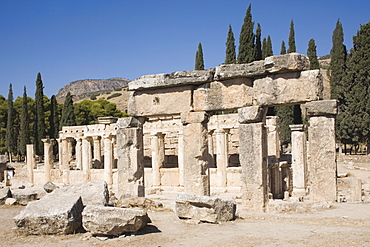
(322,107)
(194,77)
(251,114)
(193,117)
(297,127)
(271,65)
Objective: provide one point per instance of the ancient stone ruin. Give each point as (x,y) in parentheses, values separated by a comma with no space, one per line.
(200,132)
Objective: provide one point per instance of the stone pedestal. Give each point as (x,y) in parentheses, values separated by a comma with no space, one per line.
(130,158)
(253,158)
(158,155)
(30,162)
(299,160)
(108,160)
(195,137)
(48,158)
(222,161)
(322,163)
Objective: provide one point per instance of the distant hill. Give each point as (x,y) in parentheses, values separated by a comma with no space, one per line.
(88,88)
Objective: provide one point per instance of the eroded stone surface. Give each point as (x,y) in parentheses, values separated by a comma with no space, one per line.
(205,208)
(251,114)
(322,107)
(113,221)
(50,187)
(61,215)
(4,194)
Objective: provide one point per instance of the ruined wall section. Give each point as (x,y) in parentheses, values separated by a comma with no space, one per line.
(276,80)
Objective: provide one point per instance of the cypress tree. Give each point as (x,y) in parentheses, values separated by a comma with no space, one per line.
(286,116)
(264,48)
(291,40)
(283,48)
(40,117)
(199,62)
(24,133)
(230,47)
(311,53)
(246,39)
(68,117)
(10,137)
(53,118)
(356,96)
(258,43)
(269,51)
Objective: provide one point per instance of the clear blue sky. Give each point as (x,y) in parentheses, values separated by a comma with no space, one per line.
(68,40)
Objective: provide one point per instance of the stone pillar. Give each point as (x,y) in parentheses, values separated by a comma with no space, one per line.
(60,153)
(130,152)
(180,157)
(253,158)
(222,161)
(86,157)
(70,149)
(299,160)
(97,152)
(108,160)
(273,138)
(30,162)
(196,172)
(64,160)
(321,140)
(79,153)
(211,149)
(48,158)
(158,154)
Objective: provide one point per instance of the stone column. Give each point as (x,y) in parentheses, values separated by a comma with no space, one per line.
(221,151)
(158,154)
(66,156)
(180,157)
(86,154)
(30,162)
(64,160)
(79,153)
(70,149)
(273,138)
(130,152)
(321,140)
(48,158)
(253,158)
(211,149)
(196,172)
(60,152)
(108,160)
(299,160)
(97,152)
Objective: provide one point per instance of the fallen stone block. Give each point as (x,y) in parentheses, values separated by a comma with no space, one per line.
(205,208)
(50,187)
(24,196)
(4,194)
(139,202)
(10,201)
(92,193)
(62,215)
(112,221)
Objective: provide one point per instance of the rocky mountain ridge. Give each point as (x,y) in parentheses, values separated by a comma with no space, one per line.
(81,88)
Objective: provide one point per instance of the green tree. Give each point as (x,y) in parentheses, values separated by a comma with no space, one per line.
(357,91)
(24,132)
(286,116)
(54,118)
(269,51)
(258,43)
(3,121)
(291,40)
(199,61)
(68,116)
(246,39)
(11,137)
(311,53)
(40,117)
(264,48)
(283,48)
(230,47)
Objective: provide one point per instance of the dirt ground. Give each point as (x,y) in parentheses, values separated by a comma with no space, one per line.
(343,224)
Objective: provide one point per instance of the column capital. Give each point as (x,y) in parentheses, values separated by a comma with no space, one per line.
(251,114)
(297,127)
(96,138)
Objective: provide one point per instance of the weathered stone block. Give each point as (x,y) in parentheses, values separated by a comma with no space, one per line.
(113,221)
(322,107)
(204,208)
(271,65)
(49,187)
(92,193)
(295,87)
(251,114)
(24,196)
(62,215)
(4,194)
(351,188)
(193,117)
(128,122)
(170,80)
